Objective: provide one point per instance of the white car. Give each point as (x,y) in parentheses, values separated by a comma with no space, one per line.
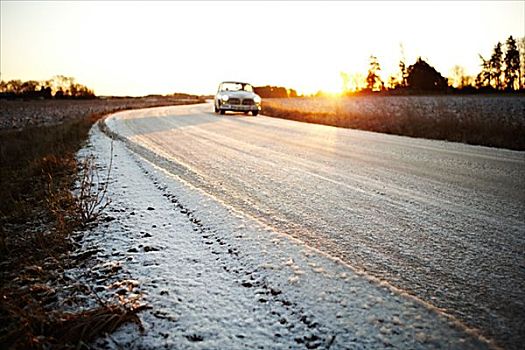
(238,97)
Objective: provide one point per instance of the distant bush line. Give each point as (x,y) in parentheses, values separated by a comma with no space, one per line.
(58,87)
(61,88)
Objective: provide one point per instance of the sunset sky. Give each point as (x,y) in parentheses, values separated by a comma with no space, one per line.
(139,48)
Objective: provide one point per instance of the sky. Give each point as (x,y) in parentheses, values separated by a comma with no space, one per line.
(140,48)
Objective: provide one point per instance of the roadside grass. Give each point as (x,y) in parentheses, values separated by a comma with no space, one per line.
(470,124)
(38,214)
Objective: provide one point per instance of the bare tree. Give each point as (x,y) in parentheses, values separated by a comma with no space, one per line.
(403,73)
(357,81)
(393,82)
(457,78)
(29,87)
(14,86)
(521,48)
(483,78)
(373,81)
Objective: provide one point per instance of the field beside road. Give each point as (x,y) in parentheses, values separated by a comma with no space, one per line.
(39,168)
(496,121)
(25,114)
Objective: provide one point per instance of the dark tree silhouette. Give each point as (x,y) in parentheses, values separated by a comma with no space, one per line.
(495,64)
(403,74)
(521,49)
(46,92)
(59,94)
(28,88)
(512,65)
(393,82)
(422,76)
(63,87)
(373,81)
(271,91)
(14,86)
(483,78)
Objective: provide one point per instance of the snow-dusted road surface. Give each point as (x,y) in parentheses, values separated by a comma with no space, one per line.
(442,221)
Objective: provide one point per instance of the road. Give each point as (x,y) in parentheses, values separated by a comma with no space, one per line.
(443,221)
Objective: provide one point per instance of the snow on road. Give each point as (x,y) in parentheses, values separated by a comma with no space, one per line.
(443,221)
(218,279)
(215,254)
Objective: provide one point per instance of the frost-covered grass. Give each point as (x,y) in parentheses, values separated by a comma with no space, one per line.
(38,213)
(497,121)
(24,114)
(37,216)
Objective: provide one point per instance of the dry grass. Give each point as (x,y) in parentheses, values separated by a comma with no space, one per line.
(38,213)
(34,326)
(92,199)
(37,171)
(496,121)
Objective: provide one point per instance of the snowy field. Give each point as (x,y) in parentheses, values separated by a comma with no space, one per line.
(22,114)
(486,120)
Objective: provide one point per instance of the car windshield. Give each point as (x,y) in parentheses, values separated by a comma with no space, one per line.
(236,87)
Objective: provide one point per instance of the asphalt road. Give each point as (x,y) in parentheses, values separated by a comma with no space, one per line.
(443,221)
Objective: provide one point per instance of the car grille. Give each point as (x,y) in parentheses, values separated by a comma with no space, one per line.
(234,101)
(248,102)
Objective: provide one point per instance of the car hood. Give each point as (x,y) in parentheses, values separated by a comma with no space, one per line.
(239,94)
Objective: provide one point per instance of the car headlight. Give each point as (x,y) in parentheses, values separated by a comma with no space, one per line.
(257,99)
(225,98)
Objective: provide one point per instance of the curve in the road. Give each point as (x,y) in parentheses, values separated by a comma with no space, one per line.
(443,221)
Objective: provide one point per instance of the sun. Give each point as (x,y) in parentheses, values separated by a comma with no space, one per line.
(329,88)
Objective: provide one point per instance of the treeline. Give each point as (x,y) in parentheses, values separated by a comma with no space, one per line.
(58,87)
(503,71)
(274,91)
